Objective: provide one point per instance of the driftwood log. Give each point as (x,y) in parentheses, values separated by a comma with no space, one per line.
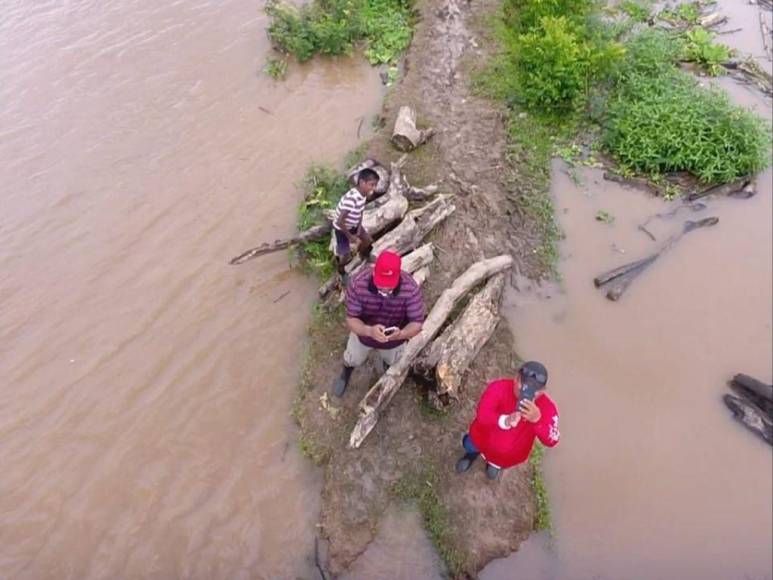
(620,278)
(379,396)
(310,235)
(733,189)
(405,135)
(405,237)
(750,72)
(750,416)
(442,365)
(756,392)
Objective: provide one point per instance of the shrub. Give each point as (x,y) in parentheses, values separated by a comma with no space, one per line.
(700,48)
(668,123)
(335,26)
(526,15)
(636,10)
(557,62)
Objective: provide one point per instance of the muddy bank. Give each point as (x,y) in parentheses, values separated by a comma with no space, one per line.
(412,449)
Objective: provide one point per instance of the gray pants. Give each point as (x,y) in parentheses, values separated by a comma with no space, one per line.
(356,352)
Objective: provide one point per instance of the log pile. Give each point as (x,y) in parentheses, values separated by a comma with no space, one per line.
(381,393)
(752,405)
(405,135)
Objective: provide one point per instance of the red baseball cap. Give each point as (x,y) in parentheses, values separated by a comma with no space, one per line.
(386,273)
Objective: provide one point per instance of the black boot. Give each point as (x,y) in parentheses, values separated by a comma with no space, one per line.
(465,462)
(339,387)
(492,472)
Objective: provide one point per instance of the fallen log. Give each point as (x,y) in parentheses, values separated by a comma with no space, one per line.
(620,278)
(750,417)
(379,396)
(721,189)
(693,206)
(310,235)
(421,275)
(405,237)
(405,135)
(754,392)
(750,72)
(383,174)
(418,259)
(713,20)
(443,364)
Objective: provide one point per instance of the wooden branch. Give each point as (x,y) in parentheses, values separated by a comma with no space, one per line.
(620,278)
(445,361)
(379,396)
(315,233)
(721,189)
(405,136)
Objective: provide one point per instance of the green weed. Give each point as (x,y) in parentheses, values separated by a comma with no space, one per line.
(335,27)
(687,13)
(700,48)
(276,68)
(636,10)
(544,518)
(604,216)
(423,490)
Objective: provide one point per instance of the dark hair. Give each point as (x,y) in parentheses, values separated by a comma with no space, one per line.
(367,174)
(536,372)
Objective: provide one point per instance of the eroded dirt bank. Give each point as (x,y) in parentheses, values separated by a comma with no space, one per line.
(475,520)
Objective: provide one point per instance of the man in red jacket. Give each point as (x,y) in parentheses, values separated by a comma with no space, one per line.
(507,421)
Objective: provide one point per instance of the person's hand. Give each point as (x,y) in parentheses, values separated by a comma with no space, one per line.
(377,333)
(530,411)
(514,419)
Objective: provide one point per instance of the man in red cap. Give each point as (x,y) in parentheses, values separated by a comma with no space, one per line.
(384,309)
(511,414)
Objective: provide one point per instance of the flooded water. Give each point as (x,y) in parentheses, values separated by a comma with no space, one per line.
(144,406)
(653,478)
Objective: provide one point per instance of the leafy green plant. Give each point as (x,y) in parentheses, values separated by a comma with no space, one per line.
(526,15)
(636,10)
(604,216)
(276,68)
(688,13)
(336,26)
(700,48)
(323,187)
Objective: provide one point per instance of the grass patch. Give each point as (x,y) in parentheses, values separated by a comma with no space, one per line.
(544,519)
(422,489)
(276,68)
(333,27)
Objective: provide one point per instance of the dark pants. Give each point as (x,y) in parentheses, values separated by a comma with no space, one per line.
(469,446)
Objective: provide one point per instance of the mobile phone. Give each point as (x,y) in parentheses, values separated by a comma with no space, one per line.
(391,330)
(528,392)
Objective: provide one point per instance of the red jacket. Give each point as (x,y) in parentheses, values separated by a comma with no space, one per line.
(508,447)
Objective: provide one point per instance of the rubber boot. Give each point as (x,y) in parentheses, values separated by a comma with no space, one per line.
(492,472)
(339,387)
(465,462)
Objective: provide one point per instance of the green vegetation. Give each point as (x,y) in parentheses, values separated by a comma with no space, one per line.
(700,48)
(636,10)
(660,120)
(604,216)
(544,520)
(276,68)
(687,13)
(323,187)
(333,27)
(423,490)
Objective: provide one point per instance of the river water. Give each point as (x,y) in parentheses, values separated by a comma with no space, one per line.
(653,478)
(146,385)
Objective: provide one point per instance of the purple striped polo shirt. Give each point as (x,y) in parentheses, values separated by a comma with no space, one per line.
(364,302)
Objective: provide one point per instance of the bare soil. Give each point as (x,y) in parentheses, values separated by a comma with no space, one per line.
(486,520)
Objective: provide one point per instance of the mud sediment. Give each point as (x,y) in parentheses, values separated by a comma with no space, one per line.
(480,520)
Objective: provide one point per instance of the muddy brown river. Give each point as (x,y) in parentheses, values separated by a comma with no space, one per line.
(146,385)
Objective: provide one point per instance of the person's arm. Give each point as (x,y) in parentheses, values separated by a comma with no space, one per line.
(341,226)
(545,424)
(407,332)
(415,314)
(488,413)
(359,328)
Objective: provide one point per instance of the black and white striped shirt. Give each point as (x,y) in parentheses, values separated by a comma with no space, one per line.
(353,203)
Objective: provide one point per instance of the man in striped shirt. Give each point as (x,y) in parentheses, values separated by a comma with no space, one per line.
(384,309)
(347,221)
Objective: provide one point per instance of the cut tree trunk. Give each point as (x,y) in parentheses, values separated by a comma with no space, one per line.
(379,396)
(405,136)
(445,361)
(383,174)
(310,235)
(405,237)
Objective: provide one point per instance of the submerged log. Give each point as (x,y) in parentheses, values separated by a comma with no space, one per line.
(731,188)
(444,363)
(620,278)
(754,392)
(379,396)
(750,416)
(310,235)
(405,136)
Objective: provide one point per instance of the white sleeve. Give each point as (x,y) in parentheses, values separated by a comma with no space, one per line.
(503,424)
